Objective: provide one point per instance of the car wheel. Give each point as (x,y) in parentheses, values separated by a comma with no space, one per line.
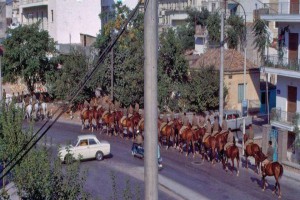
(68,159)
(99,156)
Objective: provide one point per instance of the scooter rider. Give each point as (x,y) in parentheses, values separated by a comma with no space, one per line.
(138,140)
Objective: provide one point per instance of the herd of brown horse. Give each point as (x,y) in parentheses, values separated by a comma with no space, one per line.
(212,148)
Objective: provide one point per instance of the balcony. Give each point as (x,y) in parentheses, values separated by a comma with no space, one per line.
(32,3)
(275,61)
(283,119)
(282,12)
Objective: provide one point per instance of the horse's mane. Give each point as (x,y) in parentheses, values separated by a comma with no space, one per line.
(261,156)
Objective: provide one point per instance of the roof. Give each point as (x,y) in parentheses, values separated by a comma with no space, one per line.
(86,136)
(233,60)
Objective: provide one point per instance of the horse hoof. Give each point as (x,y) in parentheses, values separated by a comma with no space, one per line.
(279,197)
(273,192)
(263,190)
(238,173)
(186,155)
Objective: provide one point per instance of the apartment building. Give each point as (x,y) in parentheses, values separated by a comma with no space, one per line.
(5,17)
(286,66)
(67,21)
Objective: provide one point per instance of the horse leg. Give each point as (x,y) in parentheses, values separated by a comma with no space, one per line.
(264,183)
(232,167)
(279,192)
(193,145)
(187,147)
(82,124)
(238,165)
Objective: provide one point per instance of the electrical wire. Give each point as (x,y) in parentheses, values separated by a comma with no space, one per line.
(72,96)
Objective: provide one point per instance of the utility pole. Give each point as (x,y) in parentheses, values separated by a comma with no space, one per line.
(221,71)
(150,102)
(112,74)
(0,80)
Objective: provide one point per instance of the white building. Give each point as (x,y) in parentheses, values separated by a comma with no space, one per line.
(286,66)
(65,20)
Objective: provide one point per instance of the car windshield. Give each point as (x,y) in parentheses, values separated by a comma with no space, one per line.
(74,142)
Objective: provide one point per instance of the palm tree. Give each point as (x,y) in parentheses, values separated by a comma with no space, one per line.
(261,36)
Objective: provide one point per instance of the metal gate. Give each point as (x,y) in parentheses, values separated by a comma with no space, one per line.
(273,136)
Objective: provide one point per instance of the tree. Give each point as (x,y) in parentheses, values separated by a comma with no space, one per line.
(37,175)
(235,33)
(172,67)
(128,59)
(196,17)
(213,28)
(62,82)
(261,36)
(27,55)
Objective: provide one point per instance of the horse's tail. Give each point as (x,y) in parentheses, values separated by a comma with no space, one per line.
(281,170)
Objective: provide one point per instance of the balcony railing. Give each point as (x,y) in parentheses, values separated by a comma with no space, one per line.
(282,63)
(282,8)
(284,117)
(24,2)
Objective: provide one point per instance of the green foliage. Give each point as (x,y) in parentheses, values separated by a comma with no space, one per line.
(128,60)
(62,82)
(127,192)
(186,33)
(297,130)
(26,53)
(214,28)
(37,176)
(261,36)
(196,17)
(235,33)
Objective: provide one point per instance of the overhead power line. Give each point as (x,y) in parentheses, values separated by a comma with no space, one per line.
(71,98)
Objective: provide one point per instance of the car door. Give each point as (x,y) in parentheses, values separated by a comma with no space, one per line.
(231,121)
(93,147)
(82,149)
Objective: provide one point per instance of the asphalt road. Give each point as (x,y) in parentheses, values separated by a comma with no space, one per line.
(183,177)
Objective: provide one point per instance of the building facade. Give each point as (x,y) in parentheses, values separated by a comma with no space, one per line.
(5,17)
(233,76)
(286,66)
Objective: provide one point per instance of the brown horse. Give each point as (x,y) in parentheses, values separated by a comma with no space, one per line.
(209,144)
(252,149)
(167,131)
(198,135)
(118,117)
(126,123)
(272,169)
(109,120)
(186,136)
(87,115)
(231,152)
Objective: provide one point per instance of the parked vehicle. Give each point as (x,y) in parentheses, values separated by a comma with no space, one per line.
(235,120)
(138,151)
(85,147)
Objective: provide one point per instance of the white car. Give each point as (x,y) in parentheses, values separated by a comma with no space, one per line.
(85,147)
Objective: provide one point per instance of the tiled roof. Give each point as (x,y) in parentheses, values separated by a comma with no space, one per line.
(233,60)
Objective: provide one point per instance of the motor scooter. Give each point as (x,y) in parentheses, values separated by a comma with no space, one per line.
(138,151)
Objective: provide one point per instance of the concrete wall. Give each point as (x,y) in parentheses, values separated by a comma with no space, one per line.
(282,86)
(252,88)
(72,18)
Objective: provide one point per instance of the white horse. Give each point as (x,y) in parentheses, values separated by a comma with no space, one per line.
(44,110)
(28,111)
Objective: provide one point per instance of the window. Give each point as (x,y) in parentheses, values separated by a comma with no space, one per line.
(213,7)
(83,143)
(241,92)
(52,18)
(92,142)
